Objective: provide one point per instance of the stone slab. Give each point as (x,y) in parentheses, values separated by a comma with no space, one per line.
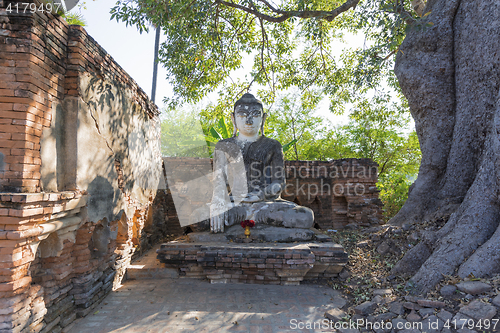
(479,311)
(496,300)
(448,290)
(335,314)
(259,233)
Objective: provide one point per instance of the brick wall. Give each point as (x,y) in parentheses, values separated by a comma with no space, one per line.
(33,52)
(61,251)
(340,192)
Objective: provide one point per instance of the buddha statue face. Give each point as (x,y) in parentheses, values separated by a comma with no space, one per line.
(248,116)
(248,119)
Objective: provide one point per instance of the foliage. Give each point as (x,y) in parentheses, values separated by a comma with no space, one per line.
(182,134)
(217,132)
(377,131)
(289,43)
(394,189)
(293,121)
(74,18)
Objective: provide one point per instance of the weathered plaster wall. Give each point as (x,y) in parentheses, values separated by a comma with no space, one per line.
(104,143)
(79,170)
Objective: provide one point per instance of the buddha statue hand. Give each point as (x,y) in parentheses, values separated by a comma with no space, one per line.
(254,196)
(270,193)
(219,215)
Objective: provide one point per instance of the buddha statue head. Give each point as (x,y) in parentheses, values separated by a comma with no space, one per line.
(248,117)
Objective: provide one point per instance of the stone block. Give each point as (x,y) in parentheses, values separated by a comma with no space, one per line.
(13,304)
(496,300)
(11,286)
(290,283)
(474,287)
(448,290)
(382,292)
(425,312)
(431,304)
(335,314)
(397,308)
(413,316)
(334,269)
(479,310)
(285,273)
(318,268)
(365,308)
(258,259)
(444,315)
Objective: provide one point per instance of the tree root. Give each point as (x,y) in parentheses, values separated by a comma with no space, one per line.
(412,260)
(485,261)
(470,229)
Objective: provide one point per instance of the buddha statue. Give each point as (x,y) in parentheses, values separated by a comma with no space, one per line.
(249,175)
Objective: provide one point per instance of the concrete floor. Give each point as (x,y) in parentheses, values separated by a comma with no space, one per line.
(187,305)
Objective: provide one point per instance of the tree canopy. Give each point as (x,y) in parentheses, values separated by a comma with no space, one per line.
(289,44)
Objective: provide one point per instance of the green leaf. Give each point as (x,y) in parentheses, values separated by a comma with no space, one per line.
(223,128)
(288,145)
(215,134)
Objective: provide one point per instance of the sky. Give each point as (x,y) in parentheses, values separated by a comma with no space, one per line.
(134,52)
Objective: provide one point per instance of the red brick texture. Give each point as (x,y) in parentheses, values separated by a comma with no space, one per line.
(33,49)
(53,265)
(340,192)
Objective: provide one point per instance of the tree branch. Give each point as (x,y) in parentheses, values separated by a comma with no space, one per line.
(285,15)
(269,5)
(264,37)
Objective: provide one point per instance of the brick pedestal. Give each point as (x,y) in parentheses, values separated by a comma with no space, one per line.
(266,263)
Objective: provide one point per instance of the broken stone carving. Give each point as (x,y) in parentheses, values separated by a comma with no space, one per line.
(251,166)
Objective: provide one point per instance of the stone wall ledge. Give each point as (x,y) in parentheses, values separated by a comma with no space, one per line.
(62,225)
(18,211)
(40,197)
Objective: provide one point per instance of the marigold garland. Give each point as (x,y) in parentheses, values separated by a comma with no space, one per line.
(247,223)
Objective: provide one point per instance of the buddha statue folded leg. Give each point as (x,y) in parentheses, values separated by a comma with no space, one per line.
(282,213)
(278,213)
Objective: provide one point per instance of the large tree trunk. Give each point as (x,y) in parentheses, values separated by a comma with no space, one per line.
(450,74)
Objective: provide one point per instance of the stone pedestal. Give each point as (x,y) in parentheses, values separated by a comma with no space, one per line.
(265,263)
